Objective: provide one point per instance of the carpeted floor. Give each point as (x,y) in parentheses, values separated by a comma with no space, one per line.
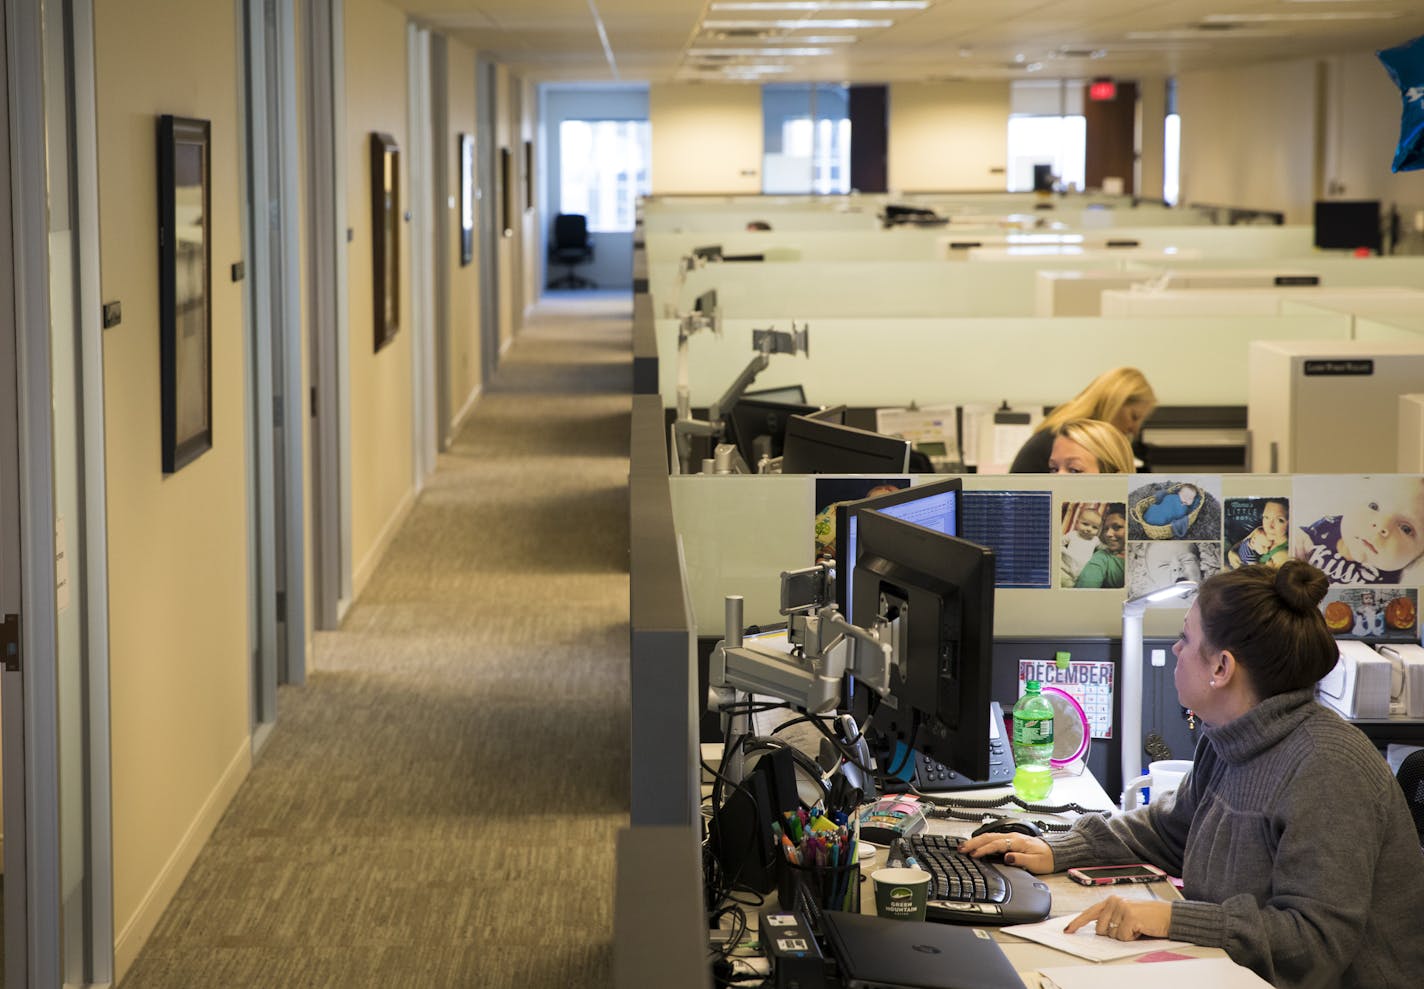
(437,806)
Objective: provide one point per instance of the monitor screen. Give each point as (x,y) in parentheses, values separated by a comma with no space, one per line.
(753,418)
(941,589)
(1347,224)
(815,447)
(935,506)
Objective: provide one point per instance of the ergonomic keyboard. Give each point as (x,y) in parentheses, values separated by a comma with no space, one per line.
(965,890)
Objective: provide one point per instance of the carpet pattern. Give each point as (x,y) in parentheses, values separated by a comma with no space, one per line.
(438,805)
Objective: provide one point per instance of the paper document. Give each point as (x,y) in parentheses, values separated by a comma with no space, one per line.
(1188,973)
(1085,943)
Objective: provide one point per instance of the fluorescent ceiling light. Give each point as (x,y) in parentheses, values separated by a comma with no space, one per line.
(851,24)
(761,52)
(827,39)
(821,5)
(1362,15)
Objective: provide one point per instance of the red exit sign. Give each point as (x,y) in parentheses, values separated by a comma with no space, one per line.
(1102,89)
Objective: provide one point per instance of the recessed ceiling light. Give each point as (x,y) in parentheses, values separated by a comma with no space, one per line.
(852,24)
(763,52)
(814,5)
(1362,15)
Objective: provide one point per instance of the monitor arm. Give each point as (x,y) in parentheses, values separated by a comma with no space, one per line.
(809,677)
(764,342)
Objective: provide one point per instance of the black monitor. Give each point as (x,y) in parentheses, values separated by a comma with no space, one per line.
(711,252)
(816,447)
(942,590)
(706,303)
(1348,224)
(786,394)
(935,505)
(830,413)
(752,418)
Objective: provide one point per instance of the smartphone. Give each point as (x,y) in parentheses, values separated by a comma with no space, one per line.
(1111,875)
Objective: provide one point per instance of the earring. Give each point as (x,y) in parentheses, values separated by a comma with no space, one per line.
(1211,683)
(1191,720)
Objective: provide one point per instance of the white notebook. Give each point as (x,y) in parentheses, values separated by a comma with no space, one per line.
(1189,973)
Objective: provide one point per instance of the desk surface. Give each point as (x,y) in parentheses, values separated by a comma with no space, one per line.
(1069,898)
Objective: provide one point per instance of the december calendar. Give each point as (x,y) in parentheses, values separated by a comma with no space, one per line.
(1091,684)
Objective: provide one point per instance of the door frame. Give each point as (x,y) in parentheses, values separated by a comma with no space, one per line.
(488,222)
(328,349)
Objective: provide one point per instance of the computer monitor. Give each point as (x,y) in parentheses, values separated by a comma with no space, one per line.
(830,413)
(942,590)
(786,394)
(935,505)
(752,418)
(706,303)
(1348,224)
(815,447)
(711,252)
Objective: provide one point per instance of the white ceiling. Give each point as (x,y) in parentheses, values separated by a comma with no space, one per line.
(655,40)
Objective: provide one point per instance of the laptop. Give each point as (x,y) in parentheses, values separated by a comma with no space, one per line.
(877,953)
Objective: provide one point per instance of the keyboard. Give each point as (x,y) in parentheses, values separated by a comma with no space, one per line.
(966,890)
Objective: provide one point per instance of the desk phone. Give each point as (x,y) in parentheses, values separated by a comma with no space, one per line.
(930,776)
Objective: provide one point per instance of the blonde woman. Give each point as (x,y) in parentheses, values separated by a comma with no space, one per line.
(1120,396)
(1090,446)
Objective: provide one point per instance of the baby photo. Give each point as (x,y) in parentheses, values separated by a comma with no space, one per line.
(1080,523)
(1175,508)
(1156,564)
(1365,530)
(1092,540)
(1256,530)
(1387,614)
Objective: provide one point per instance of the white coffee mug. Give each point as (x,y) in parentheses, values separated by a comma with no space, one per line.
(1162,776)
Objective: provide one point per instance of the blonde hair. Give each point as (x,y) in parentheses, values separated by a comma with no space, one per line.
(1104,441)
(1104,398)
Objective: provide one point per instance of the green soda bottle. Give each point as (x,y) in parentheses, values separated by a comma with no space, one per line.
(1033,744)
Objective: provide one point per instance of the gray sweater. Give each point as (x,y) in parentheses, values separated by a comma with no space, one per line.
(1297,852)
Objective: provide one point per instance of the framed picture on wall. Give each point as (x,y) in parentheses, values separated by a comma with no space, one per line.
(385,236)
(184,290)
(467,198)
(506,192)
(528,176)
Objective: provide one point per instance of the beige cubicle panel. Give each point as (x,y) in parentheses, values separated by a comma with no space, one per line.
(1411,434)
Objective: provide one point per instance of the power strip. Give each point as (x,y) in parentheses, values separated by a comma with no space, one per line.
(795,957)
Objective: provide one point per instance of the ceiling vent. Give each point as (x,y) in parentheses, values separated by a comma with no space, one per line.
(1215,26)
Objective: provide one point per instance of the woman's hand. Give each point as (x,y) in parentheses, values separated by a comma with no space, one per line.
(1024,851)
(1125,920)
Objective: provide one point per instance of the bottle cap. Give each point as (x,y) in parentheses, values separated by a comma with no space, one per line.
(1033,685)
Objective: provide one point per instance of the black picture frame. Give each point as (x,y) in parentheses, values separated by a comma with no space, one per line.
(506,190)
(185,309)
(467,198)
(528,176)
(385,237)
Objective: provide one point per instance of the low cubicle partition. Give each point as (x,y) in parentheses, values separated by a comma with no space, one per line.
(659,905)
(865,362)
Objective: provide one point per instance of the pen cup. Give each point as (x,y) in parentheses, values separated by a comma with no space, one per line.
(830,887)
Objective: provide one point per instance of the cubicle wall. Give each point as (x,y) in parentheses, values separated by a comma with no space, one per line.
(865,362)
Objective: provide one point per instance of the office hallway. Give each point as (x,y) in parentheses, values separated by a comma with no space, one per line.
(437,806)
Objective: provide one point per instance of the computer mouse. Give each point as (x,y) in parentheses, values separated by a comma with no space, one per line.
(1009,825)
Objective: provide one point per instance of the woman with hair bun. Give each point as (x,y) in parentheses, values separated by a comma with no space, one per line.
(1296,848)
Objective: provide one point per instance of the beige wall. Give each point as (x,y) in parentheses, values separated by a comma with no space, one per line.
(462,354)
(1362,115)
(1151,133)
(532,264)
(1263,153)
(705,138)
(948,136)
(382,486)
(177,551)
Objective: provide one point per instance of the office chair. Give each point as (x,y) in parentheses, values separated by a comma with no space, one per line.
(571,247)
(1411,780)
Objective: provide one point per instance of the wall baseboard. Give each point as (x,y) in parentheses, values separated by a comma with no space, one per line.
(465,410)
(367,568)
(135,933)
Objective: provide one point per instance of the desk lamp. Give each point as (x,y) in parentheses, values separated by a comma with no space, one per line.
(1132,611)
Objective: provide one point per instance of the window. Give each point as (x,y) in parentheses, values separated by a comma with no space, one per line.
(807,139)
(1172,148)
(1047,128)
(603,169)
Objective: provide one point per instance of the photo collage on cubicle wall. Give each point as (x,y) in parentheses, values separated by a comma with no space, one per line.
(1366,533)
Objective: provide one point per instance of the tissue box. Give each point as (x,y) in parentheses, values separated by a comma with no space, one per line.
(1407,680)
(1359,685)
